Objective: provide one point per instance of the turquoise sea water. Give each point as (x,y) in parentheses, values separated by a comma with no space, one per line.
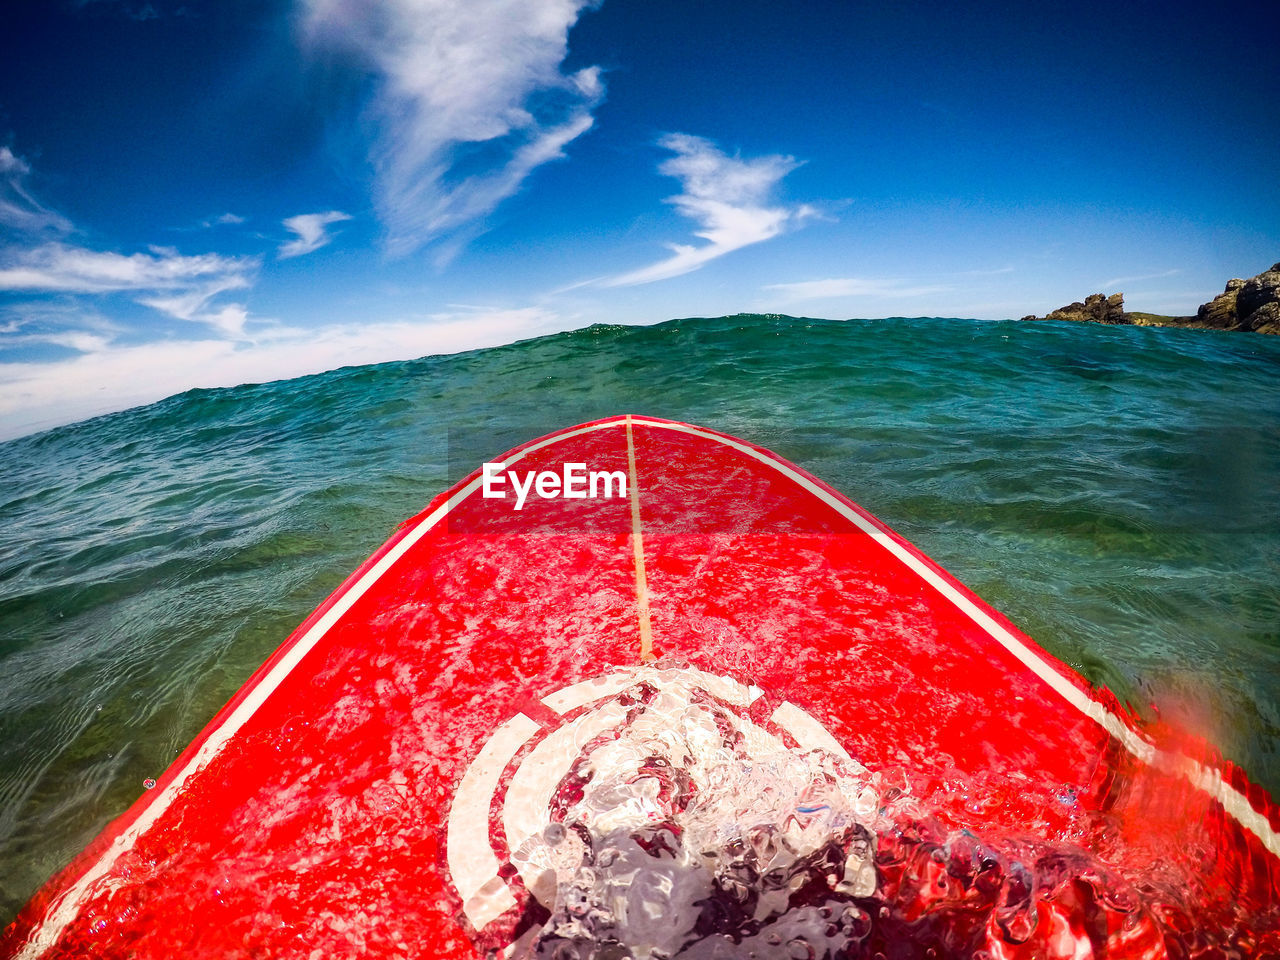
(1112,490)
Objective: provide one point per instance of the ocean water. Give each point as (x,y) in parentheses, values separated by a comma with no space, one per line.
(1113,490)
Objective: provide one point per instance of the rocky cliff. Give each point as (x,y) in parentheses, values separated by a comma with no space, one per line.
(1249,305)
(1095,309)
(1252,304)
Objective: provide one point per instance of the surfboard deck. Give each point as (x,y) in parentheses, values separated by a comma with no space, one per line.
(396,780)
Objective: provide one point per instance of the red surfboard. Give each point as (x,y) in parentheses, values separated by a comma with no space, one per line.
(640,689)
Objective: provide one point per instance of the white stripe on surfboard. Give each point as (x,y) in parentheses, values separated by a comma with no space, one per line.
(473,866)
(610,684)
(810,734)
(46,932)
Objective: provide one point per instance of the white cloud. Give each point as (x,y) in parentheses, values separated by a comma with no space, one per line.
(178,285)
(851,287)
(181,286)
(107,377)
(19,209)
(225,220)
(193,305)
(310,230)
(471,100)
(81,341)
(53,323)
(1118,281)
(727,196)
(61,267)
(993,272)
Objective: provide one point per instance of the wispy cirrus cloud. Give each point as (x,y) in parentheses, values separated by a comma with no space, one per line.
(181,286)
(193,305)
(52,320)
(835,287)
(19,209)
(81,341)
(223,220)
(728,197)
(162,278)
(1117,281)
(68,268)
(311,232)
(471,99)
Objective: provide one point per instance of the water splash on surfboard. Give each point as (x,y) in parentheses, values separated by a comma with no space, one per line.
(686,826)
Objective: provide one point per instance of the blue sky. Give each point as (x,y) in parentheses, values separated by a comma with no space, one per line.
(210,192)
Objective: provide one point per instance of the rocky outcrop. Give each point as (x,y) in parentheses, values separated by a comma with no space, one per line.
(1251,305)
(1095,309)
(1258,303)
(1220,312)
(1266,319)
